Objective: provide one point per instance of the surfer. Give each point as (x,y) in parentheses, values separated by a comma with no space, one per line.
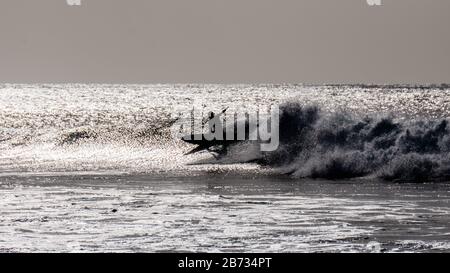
(213,120)
(211,140)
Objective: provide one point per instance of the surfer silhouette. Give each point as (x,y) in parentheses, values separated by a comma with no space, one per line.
(212,122)
(215,125)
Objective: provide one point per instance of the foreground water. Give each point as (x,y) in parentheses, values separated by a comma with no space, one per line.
(94,168)
(223,213)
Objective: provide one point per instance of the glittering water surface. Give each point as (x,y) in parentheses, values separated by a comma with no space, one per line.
(126,186)
(141,213)
(37,120)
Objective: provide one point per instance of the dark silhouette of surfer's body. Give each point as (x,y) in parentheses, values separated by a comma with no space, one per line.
(211,122)
(212,141)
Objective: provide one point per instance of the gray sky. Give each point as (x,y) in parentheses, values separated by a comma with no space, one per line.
(225,41)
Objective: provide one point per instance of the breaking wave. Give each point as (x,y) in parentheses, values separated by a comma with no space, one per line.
(45,128)
(342,145)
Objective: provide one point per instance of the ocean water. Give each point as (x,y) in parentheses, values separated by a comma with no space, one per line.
(95,168)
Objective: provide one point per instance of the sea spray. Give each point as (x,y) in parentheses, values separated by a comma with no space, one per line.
(342,145)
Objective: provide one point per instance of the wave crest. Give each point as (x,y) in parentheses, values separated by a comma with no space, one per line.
(341,145)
